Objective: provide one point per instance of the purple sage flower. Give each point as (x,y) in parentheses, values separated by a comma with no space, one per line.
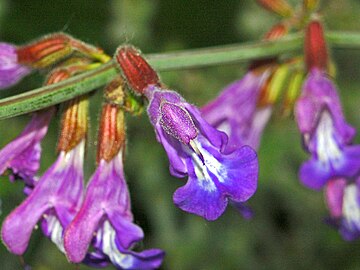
(343,200)
(55,200)
(22,155)
(11,72)
(236,113)
(197,150)
(326,134)
(106,213)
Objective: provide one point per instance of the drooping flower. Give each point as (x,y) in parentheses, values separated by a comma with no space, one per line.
(244,107)
(326,134)
(11,72)
(194,148)
(22,155)
(57,195)
(235,110)
(343,200)
(105,220)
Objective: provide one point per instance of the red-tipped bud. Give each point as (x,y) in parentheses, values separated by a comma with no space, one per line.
(111,132)
(55,47)
(276,32)
(280,7)
(57,76)
(316,55)
(135,69)
(45,51)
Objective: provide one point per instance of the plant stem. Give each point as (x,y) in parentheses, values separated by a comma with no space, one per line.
(50,95)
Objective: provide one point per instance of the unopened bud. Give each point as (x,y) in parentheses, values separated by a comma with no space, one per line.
(273,87)
(52,48)
(316,55)
(310,5)
(136,70)
(177,122)
(276,32)
(280,7)
(293,91)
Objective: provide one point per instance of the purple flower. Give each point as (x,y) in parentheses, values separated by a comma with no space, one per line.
(106,213)
(199,151)
(22,155)
(11,71)
(55,200)
(326,134)
(236,113)
(343,200)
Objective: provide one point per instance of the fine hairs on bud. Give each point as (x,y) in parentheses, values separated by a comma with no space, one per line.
(137,72)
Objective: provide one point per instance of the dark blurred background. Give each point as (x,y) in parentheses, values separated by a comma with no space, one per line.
(288,229)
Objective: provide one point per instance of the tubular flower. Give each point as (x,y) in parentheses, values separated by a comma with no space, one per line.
(235,110)
(11,72)
(22,155)
(244,107)
(343,200)
(194,148)
(326,134)
(57,195)
(105,219)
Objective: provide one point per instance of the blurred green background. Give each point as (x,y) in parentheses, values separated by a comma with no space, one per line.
(287,231)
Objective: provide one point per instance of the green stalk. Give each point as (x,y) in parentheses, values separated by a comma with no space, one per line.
(53,94)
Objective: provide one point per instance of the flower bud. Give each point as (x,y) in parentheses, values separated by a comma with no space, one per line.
(293,91)
(280,7)
(52,48)
(276,32)
(316,55)
(310,5)
(271,90)
(136,70)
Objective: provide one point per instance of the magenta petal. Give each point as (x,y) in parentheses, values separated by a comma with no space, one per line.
(22,155)
(59,189)
(334,194)
(18,226)
(106,198)
(11,71)
(80,232)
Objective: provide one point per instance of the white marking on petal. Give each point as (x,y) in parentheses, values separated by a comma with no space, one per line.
(327,147)
(110,249)
(204,162)
(56,231)
(351,209)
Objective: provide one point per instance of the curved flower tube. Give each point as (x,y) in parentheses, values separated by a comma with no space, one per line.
(197,150)
(327,136)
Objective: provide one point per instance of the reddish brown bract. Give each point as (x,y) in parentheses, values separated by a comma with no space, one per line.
(136,70)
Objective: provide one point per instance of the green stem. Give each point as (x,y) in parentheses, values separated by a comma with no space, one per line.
(53,94)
